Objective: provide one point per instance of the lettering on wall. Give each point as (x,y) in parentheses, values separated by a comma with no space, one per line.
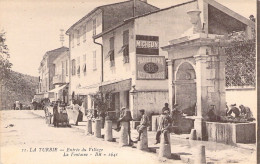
(147,45)
(150,68)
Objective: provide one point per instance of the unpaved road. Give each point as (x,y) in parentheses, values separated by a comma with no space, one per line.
(26,139)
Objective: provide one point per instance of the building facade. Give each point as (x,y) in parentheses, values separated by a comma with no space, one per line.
(47,72)
(128,59)
(86,53)
(61,77)
(134,65)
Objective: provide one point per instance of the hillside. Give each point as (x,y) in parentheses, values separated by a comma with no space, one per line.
(19,87)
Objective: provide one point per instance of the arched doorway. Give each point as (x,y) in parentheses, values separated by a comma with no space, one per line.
(185,86)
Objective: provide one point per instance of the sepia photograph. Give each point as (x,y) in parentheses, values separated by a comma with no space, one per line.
(128,81)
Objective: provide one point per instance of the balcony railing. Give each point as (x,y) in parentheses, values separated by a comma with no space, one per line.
(59,79)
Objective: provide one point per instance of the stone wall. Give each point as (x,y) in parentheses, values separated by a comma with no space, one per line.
(231,133)
(151,101)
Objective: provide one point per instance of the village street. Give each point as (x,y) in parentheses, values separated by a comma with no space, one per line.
(22,133)
(26,138)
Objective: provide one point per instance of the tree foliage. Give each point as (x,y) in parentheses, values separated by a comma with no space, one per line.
(241,59)
(5,65)
(101,100)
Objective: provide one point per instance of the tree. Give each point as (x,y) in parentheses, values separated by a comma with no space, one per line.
(5,65)
(101,100)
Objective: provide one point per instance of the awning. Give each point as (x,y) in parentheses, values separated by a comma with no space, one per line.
(38,96)
(123,85)
(87,90)
(56,90)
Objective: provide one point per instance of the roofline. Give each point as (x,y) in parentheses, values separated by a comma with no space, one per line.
(79,21)
(148,4)
(133,18)
(46,54)
(111,29)
(167,8)
(230,12)
(101,7)
(57,49)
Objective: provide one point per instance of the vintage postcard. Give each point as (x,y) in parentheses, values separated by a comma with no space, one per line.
(128,81)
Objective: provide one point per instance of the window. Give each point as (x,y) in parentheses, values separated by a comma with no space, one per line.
(126,46)
(78,37)
(166,69)
(67,72)
(78,67)
(84,33)
(94,61)
(54,69)
(84,68)
(63,68)
(72,40)
(111,52)
(73,66)
(94,26)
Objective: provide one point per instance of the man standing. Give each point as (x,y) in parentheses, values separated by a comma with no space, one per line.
(164,126)
(125,116)
(21,106)
(144,123)
(166,107)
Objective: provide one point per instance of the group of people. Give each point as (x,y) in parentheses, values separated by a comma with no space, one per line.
(232,111)
(242,111)
(18,106)
(164,123)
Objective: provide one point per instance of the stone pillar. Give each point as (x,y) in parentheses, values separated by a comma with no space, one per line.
(88,127)
(93,127)
(97,131)
(193,135)
(201,156)
(134,103)
(108,130)
(123,138)
(143,143)
(171,86)
(154,123)
(201,65)
(122,99)
(222,84)
(165,149)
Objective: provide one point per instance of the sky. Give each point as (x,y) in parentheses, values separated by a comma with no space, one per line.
(33,26)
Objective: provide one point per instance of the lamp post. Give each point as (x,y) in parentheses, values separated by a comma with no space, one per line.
(133,92)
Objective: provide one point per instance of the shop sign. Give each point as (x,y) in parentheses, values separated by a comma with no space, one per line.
(150,68)
(147,45)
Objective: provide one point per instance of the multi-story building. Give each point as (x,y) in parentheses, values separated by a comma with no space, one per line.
(61,77)
(86,53)
(134,66)
(47,72)
(126,53)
